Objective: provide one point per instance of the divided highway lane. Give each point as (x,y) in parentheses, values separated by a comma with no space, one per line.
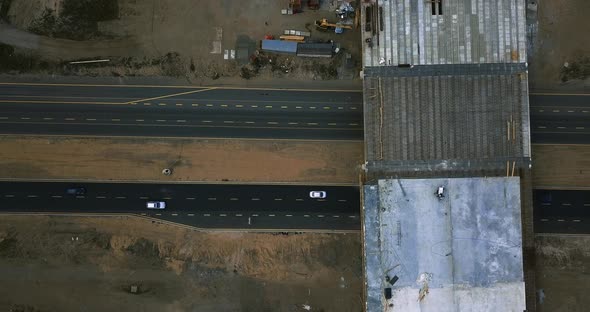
(560,211)
(193,121)
(164,111)
(203,205)
(560,118)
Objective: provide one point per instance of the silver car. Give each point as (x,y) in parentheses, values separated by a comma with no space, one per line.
(156,205)
(317,194)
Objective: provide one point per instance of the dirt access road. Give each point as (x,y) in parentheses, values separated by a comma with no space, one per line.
(199,31)
(73,264)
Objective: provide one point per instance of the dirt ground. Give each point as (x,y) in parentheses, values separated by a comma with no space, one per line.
(563,263)
(189,35)
(561,38)
(561,166)
(209,160)
(90,264)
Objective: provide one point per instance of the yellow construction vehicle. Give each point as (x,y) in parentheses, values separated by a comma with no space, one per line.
(324,25)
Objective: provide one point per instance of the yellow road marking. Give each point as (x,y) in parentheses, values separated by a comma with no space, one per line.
(59,102)
(566,94)
(172,95)
(205,138)
(192,126)
(165,86)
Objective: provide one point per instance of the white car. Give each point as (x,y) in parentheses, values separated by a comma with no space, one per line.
(317,194)
(156,205)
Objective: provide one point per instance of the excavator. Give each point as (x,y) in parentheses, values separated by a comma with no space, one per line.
(324,25)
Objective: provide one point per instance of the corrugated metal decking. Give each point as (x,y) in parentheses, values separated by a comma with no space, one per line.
(445,117)
(467,31)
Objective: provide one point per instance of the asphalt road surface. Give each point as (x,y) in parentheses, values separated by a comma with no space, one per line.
(202,205)
(560,118)
(559,211)
(180,111)
(119,110)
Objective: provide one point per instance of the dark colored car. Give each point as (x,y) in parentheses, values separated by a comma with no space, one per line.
(76,191)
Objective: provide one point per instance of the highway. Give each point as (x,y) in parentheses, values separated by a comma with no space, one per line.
(201,205)
(561,211)
(184,111)
(560,118)
(163,111)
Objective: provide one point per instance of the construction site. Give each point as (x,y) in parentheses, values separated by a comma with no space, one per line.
(445,147)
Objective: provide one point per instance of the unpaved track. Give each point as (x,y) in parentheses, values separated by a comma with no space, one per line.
(68,49)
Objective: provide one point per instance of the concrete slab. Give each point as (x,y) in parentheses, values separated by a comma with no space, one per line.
(464,249)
